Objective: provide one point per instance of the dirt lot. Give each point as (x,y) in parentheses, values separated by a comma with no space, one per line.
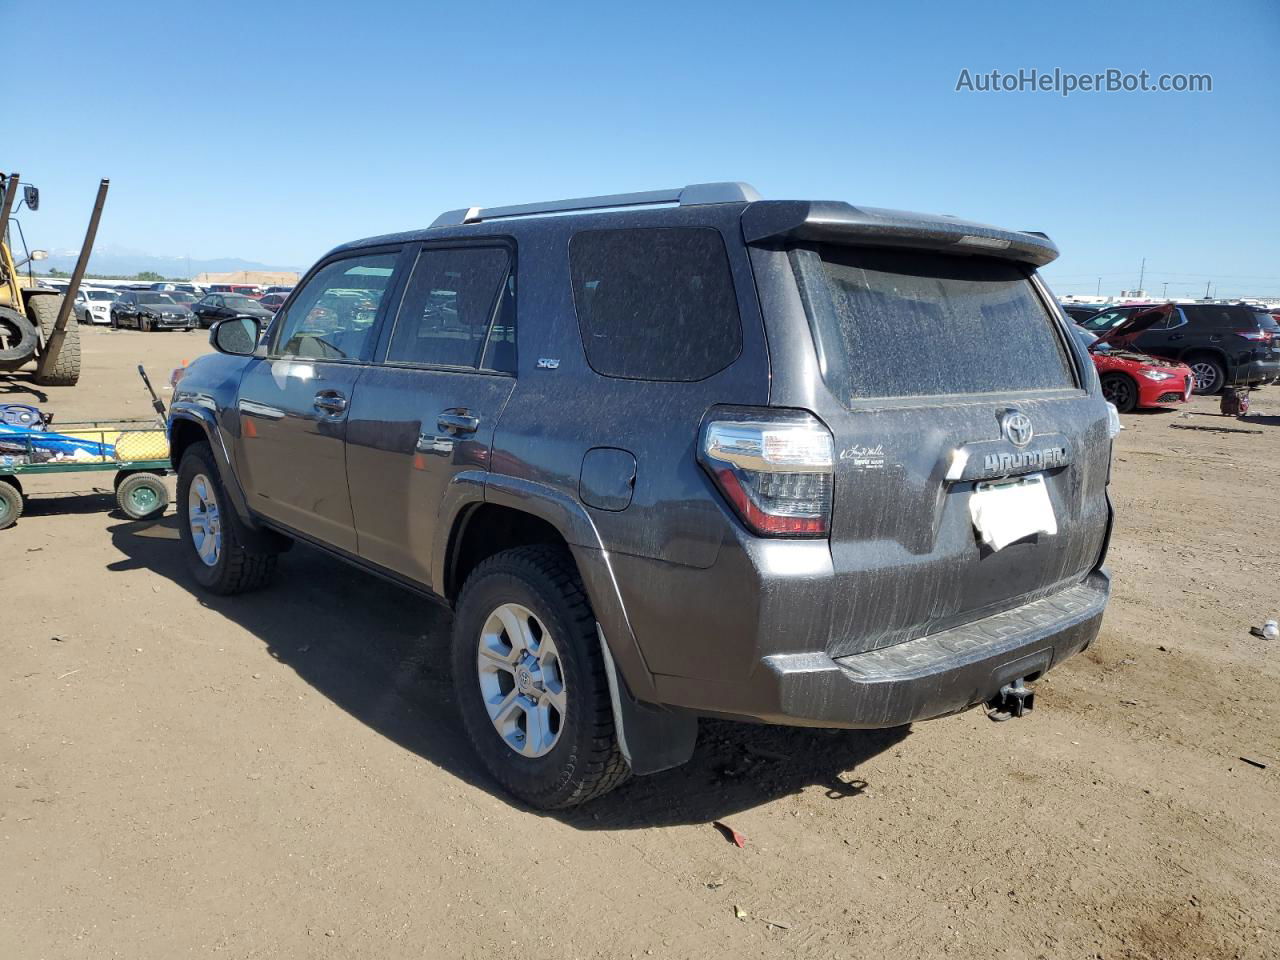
(282,776)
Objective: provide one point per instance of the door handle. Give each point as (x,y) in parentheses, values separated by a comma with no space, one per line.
(457,422)
(330,401)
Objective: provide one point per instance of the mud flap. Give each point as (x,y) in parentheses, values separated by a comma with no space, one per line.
(652,738)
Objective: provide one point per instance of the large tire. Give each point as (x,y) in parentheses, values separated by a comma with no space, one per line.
(18,337)
(571,755)
(142,496)
(230,558)
(1120,390)
(10,504)
(65,371)
(1210,374)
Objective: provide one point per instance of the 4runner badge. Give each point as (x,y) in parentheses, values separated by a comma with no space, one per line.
(547,363)
(1017,428)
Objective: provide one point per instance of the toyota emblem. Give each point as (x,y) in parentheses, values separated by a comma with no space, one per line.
(1017,428)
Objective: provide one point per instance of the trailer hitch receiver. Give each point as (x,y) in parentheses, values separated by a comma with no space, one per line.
(1014,700)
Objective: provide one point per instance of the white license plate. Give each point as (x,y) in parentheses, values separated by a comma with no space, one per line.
(1006,511)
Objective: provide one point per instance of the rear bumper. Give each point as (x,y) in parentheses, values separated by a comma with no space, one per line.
(1258,371)
(929,677)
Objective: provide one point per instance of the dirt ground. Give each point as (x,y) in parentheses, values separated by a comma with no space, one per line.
(282,775)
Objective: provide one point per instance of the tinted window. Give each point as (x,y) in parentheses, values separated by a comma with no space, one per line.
(1222,316)
(450,306)
(655,304)
(892,323)
(332,317)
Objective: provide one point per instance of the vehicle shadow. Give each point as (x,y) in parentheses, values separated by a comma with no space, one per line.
(380,653)
(22,385)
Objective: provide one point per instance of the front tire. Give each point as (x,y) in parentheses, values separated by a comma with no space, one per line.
(1120,391)
(222,553)
(530,681)
(65,370)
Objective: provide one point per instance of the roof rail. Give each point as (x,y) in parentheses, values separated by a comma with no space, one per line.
(694,193)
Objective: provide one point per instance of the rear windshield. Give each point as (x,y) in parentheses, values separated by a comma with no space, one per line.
(906,323)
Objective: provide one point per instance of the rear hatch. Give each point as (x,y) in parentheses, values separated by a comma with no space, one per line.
(944,374)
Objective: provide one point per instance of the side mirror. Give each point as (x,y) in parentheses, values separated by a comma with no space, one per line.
(32,196)
(39,254)
(237,336)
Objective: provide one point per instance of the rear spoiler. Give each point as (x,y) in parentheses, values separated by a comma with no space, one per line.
(778,221)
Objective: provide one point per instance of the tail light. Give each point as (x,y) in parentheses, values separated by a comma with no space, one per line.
(774,468)
(1258,336)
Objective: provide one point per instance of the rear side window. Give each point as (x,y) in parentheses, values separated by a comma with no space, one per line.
(1220,316)
(450,311)
(904,323)
(656,303)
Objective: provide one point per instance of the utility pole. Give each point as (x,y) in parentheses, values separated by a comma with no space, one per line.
(1141,274)
(1165,295)
(1206,289)
(1099,288)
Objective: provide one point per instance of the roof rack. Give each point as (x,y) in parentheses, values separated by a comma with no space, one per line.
(694,193)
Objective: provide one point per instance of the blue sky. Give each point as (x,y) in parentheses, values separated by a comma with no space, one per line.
(272,131)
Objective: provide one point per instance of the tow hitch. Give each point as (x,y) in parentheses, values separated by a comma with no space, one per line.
(1013,700)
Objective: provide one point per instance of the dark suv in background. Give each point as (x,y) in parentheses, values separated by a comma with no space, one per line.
(680,453)
(1223,344)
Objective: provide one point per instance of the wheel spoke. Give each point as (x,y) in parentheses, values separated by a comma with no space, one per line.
(516,628)
(538,736)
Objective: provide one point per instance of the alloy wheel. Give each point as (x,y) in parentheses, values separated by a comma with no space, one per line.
(521,680)
(205,520)
(1206,375)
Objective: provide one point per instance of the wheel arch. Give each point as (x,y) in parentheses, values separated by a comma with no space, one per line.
(509,512)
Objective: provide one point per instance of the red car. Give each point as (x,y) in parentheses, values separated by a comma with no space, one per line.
(1131,379)
(273,301)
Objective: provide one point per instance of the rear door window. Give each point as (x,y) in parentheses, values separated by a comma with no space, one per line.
(905,323)
(458,310)
(655,303)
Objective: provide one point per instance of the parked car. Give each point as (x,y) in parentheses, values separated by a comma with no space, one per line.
(275,289)
(1130,379)
(181,296)
(676,480)
(251,290)
(1079,312)
(170,286)
(148,310)
(93,305)
(219,306)
(273,301)
(1223,343)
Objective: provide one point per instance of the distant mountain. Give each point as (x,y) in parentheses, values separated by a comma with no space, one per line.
(128,263)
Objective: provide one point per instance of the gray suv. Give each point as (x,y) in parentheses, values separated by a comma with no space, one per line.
(674,454)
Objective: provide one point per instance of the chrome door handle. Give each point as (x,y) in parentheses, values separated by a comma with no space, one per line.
(330,401)
(455,422)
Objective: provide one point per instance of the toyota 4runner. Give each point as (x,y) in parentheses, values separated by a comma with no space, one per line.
(675,454)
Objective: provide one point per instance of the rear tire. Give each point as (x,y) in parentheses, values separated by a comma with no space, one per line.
(575,756)
(1210,374)
(10,504)
(228,559)
(142,496)
(65,370)
(1120,391)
